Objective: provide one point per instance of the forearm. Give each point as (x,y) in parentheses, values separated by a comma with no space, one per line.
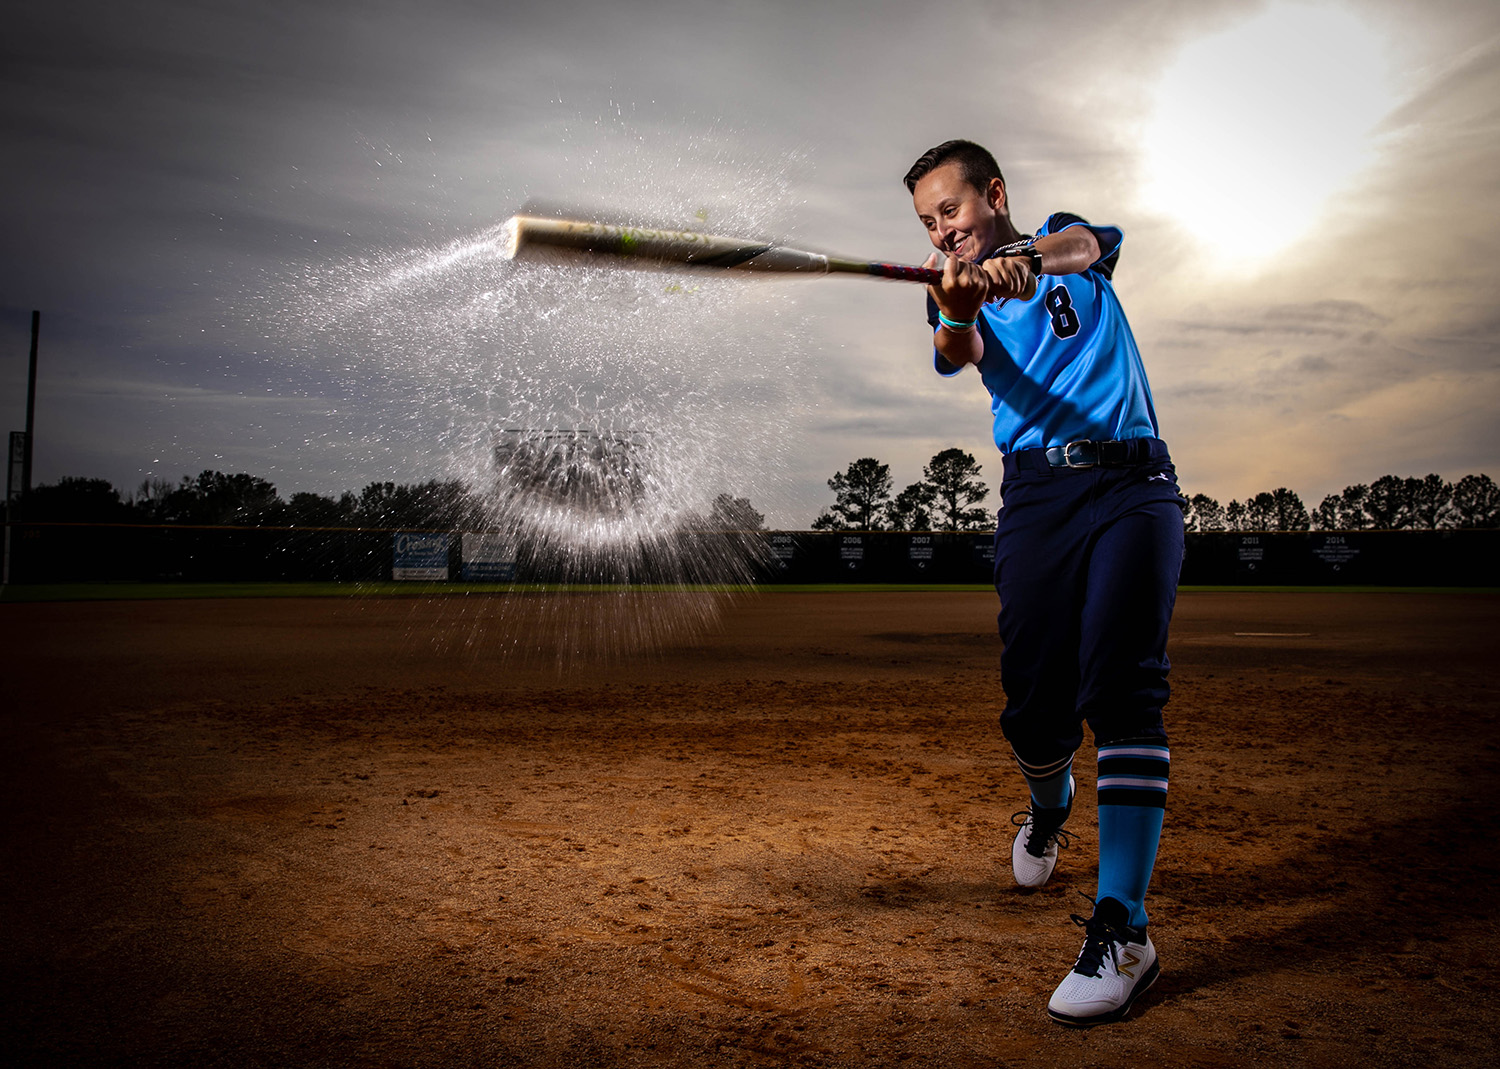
(1070,252)
(959,347)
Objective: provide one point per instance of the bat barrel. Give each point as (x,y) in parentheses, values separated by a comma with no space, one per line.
(529,234)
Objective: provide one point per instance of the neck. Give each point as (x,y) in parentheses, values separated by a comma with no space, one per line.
(1006,234)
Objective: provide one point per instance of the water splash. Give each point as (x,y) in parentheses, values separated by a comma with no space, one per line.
(599,412)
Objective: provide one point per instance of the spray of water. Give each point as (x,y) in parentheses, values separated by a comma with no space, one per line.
(598,412)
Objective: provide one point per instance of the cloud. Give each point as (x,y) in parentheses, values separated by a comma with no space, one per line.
(187,171)
(1327,319)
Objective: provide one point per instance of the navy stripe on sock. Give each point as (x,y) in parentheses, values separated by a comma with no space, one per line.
(1133,796)
(1133,766)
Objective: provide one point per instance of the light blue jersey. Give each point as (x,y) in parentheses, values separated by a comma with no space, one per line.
(1063,366)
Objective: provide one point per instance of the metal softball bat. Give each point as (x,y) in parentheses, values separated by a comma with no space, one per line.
(529,236)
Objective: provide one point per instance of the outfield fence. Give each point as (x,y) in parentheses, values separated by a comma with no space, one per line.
(52,553)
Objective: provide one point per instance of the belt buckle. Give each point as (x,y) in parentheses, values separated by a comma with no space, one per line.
(1068,454)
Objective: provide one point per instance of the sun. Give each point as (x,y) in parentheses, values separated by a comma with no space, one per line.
(1256,128)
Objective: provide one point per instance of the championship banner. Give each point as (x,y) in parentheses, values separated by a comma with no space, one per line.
(919,550)
(852,550)
(487,557)
(420,556)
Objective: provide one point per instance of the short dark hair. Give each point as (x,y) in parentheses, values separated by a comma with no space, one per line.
(974,161)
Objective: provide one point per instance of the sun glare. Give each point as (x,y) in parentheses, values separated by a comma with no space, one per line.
(1255,128)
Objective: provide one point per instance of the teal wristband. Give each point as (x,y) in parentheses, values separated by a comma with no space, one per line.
(955,324)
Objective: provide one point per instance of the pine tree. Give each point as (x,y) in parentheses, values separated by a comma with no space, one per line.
(730,513)
(912,509)
(954,478)
(1288,511)
(1204,514)
(1431,500)
(1388,505)
(1476,501)
(861,493)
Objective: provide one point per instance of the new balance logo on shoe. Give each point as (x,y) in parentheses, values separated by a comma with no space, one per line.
(1116,965)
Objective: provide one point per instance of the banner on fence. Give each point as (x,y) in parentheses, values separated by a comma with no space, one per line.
(420,556)
(487,558)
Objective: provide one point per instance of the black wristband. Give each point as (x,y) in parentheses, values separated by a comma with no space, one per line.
(1028,250)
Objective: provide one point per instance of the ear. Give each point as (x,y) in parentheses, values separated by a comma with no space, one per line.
(994,194)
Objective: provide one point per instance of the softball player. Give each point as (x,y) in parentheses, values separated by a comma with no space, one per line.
(1088,544)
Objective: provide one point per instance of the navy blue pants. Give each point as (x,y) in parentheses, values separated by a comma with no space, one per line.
(1086,565)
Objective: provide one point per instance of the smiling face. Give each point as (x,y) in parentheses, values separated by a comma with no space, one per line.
(961,220)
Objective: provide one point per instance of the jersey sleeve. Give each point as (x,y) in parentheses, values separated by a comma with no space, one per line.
(940,363)
(1109,238)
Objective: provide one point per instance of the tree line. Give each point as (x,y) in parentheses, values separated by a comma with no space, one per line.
(948,498)
(1390,503)
(216,499)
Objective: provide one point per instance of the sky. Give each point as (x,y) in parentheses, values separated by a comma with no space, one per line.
(260,235)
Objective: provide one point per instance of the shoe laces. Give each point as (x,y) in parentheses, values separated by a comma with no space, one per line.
(1101,940)
(1041,838)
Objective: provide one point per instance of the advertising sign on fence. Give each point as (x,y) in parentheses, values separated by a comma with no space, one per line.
(487,558)
(420,556)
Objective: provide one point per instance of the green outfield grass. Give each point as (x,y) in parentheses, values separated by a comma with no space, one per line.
(122,591)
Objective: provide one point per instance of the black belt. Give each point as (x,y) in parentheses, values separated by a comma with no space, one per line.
(1087,454)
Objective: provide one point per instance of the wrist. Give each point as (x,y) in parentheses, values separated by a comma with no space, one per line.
(958,326)
(1027,251)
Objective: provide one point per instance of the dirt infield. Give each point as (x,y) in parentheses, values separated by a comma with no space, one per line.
(411,832)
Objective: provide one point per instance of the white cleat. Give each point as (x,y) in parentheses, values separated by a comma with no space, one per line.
(1033,854)
(1116,966)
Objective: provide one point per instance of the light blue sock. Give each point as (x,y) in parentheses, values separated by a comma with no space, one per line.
(1132,802)
(1053,792)
(1051,785)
